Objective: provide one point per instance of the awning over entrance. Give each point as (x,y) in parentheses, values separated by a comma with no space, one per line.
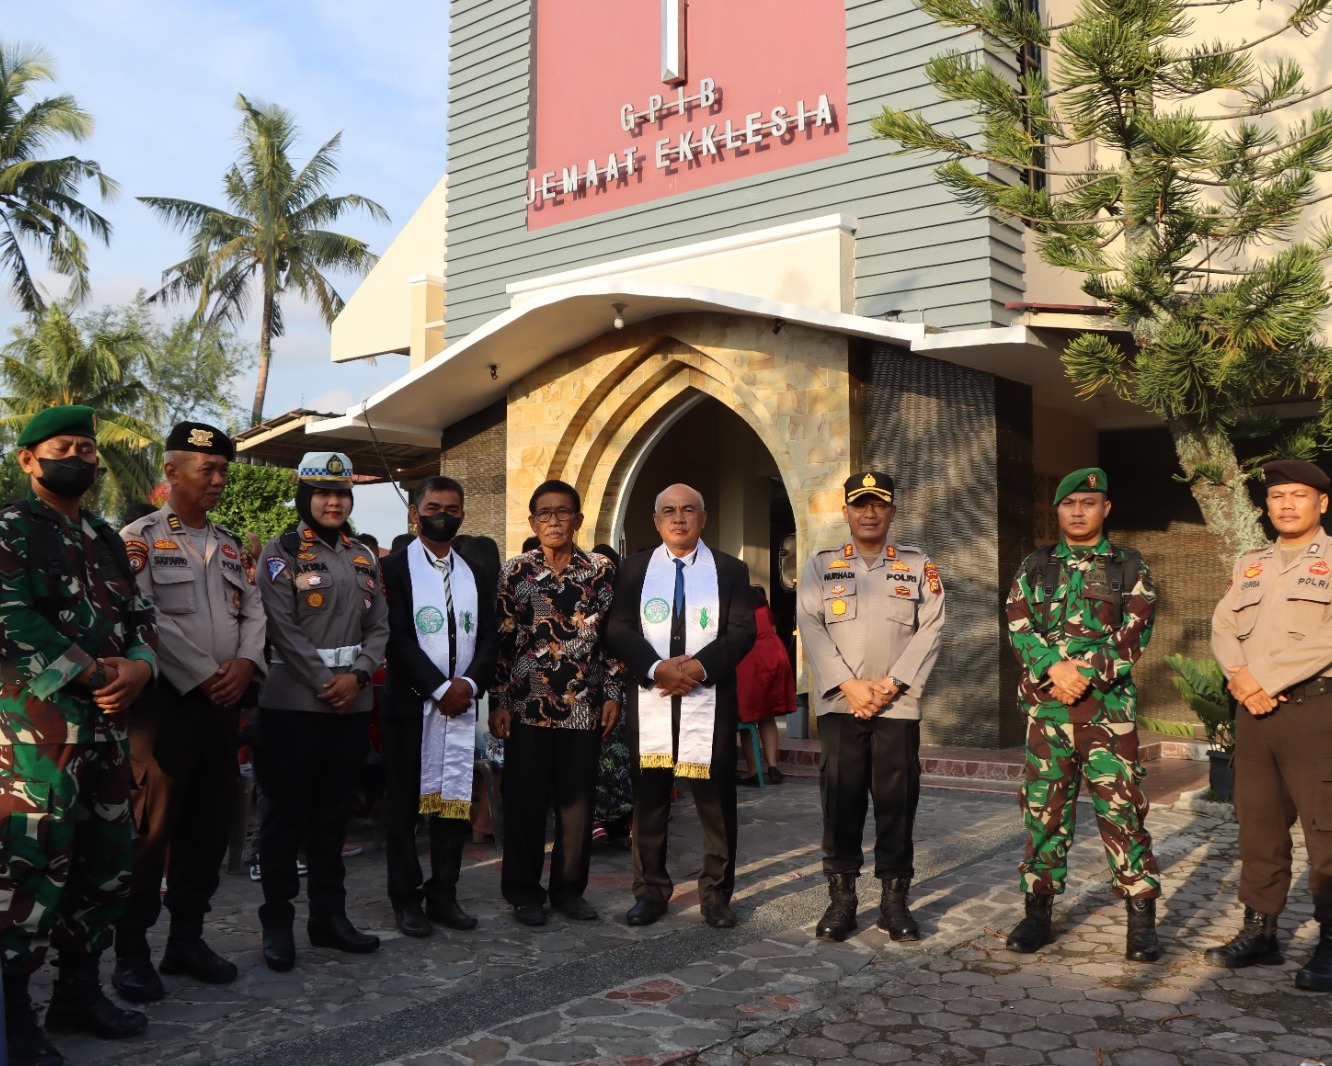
(479,369)
(281,441)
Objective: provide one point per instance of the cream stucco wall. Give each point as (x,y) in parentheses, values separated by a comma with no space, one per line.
(399,306)
(810,263)
(590,415)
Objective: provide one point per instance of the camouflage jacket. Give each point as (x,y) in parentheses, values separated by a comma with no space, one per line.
(98,612)
(1080,622)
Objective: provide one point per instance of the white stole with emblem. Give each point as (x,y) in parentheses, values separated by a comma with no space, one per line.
(698,710)
(447,744)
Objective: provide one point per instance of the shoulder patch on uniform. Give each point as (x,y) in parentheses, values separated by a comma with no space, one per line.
(137,550)
(174,522)
(932,579)
(275,566)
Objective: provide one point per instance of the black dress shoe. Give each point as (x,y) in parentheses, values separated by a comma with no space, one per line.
(578,909)
(334,931)
(530,914)
(750,781)
(412,920)
(136,980)
(279,949)
(645,912)
(197,959)
(719,915)
(448,913)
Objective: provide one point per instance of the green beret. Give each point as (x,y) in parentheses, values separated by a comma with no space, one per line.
(1088,479)
(71,419)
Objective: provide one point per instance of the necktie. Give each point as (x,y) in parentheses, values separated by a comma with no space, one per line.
(445,565)
(679,588)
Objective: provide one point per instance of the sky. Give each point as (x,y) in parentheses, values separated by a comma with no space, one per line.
(160,78)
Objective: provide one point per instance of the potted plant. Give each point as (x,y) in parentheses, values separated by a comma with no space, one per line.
(1202,684)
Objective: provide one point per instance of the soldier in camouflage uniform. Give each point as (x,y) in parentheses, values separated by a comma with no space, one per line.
(1079,616)
(76,649)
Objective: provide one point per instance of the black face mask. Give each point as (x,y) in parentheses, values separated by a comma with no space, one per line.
(440,528)
(69,478)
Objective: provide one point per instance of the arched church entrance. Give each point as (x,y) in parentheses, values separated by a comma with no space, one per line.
(709,446)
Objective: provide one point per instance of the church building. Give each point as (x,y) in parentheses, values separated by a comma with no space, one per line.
(669,247)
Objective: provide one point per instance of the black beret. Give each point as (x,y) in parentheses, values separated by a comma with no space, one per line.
(200,437)
(1286,471)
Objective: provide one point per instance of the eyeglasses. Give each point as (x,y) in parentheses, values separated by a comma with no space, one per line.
(559,514)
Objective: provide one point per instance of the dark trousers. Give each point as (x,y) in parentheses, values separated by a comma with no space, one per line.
(545,768)
(401,741)
(714,799)
(863,759)
(183,750)
(308,765)
(1282,773)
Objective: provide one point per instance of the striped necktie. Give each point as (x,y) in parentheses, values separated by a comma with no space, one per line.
(445,567)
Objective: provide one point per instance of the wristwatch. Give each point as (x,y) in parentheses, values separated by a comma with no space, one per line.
(362,678)
(97,679)
(902,685)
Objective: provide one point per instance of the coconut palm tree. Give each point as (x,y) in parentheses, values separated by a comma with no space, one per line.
(39,204)
(271,240)
(53,361)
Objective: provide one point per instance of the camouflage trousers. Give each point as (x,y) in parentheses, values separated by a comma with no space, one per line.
(65,848)
(1059,756)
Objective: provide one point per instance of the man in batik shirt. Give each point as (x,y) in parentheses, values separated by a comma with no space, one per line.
(557,693)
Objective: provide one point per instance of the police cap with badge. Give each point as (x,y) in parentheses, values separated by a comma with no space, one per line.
(72,420)
(325,470)
(200,437)
(869,485)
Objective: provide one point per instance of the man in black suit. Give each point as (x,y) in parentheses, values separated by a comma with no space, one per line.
(681,620)
(443,639)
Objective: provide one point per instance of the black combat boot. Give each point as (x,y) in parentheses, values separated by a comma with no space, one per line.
(1036,929)
(894,917)
(1255,944)
(1141,944)
(187,953)
(25,1043)
(1316,975)
(134,976)
(78,1004)
(840,917)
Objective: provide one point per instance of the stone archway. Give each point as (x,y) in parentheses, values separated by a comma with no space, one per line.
(589,415)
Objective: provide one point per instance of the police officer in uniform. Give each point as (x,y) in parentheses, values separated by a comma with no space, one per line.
(328,628)
(869,613)
(183,739)
(76,650)
(1272,635)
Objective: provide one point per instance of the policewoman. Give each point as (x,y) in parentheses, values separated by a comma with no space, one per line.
(328,630)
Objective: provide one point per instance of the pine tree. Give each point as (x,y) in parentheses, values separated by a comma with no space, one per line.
(1193,224)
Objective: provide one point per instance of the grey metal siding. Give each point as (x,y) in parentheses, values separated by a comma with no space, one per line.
(916,248)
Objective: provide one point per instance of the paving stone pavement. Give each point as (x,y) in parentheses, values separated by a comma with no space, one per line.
(766,992)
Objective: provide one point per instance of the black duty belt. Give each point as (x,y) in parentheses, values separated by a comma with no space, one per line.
(1318,686)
